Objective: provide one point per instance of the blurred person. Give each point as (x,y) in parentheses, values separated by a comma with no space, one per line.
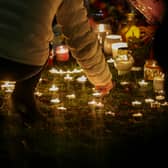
(25,34)
(155,11)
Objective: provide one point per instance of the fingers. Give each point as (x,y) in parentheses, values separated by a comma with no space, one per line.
(104,90)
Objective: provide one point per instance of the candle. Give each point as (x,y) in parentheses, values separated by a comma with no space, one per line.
(71,96)
(97,94)
(124,83)
(92,104)
(100,105)
(155,104)
(8,86)
(62,53)
(149,100)
(62,108)
(116,46)
(137,114)
(109,40)
(158,83)
(82,79)
(142,83)
(53,88)
(68,78)
(37,93)
(160,97)
(55,100)
(136,103)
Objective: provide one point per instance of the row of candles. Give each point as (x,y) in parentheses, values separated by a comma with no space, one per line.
(158,86)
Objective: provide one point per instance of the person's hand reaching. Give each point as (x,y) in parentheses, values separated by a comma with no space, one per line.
(104,90)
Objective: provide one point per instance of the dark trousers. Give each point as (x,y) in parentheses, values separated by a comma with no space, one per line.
(26,77)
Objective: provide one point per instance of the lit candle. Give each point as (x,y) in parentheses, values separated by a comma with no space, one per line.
(124,83)
(142,83)
(109,40)
(53,88)
(71,96)
(100,105)
(116,46)
(136,103)
(62,53)
(97,94)
(37,93)
(55,100)
(68,78)
(137,114)
(8,86)
(149,100)
(160,97)
(158,83)
(82,79)
(92,104)
(155,104)
(62,108)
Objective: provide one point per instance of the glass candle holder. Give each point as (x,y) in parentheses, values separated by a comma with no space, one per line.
(109,40)
(62,53)
(116,46)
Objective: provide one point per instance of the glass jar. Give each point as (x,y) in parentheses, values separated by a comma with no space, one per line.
(151,69)
(109,40)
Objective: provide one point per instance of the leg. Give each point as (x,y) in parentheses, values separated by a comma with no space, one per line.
(23,99)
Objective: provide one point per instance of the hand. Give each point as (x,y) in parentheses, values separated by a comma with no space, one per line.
(104,90)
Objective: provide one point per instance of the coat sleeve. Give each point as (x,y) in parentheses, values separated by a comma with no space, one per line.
(83,43)
(153,10)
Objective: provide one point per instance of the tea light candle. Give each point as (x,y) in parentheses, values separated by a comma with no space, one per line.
(116,46)
(110,113)
(143,83)
(55,101)
(53,88)
(62,53)
(71,96)
(149,100)
(68,78)
(164,104)
(82,79)
(137,114)
(160,97)
(136,103)
(8,85)
(124,83)
(92,104)
(38,93)
(100,105)
(62,108)
(155,104)
(97,94)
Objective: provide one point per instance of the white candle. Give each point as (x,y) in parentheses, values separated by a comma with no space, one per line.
(149,100)
(82,79)
(71,96)
(142,83)
(137,114)
(136,103)
(116,46)
(8,85)
(53,88)
(55,101)
(62,108)
(68,78)
(109,40)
